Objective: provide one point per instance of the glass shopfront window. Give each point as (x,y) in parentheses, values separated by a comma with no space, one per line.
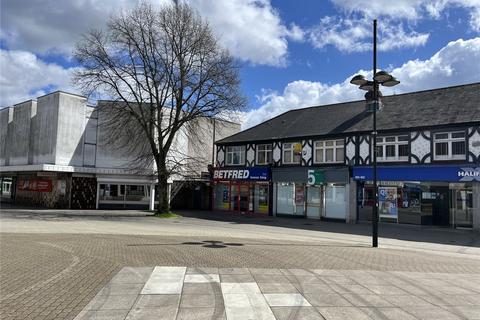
(285,198)
(222,196)
(241,196)
(437,203)
(335,201)
(123,195)
(261,198)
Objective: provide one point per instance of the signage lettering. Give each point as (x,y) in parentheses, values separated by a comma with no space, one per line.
(241,174)
(315,177)
(469,174)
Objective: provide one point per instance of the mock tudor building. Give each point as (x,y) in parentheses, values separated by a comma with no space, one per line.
(54,153)
(316,162)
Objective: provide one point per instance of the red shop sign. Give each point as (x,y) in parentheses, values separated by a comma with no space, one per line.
(36,185)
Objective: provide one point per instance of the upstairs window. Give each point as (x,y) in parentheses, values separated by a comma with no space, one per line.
(392,148)
(329,151)
(264,154)
(292,153)
(235,155)
(449,146)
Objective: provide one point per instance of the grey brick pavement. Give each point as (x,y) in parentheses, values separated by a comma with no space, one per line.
(52,266)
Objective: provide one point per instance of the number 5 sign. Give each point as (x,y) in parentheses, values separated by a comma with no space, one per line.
(315,177)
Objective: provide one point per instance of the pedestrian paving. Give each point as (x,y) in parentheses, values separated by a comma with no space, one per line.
(181,293)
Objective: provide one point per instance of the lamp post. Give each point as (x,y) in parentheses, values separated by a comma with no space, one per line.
(372,98)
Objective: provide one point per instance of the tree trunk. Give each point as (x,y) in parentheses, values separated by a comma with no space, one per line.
(163,203)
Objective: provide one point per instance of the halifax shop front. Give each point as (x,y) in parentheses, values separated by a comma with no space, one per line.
(424,195)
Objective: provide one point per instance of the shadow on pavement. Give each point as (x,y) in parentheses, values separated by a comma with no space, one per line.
(416,233)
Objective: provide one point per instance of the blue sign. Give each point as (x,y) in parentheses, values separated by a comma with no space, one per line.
(254,173)
(420,173)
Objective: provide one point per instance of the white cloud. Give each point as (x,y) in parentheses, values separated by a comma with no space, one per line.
(252,30)
(355,35)
(410,9)
(453,64)
(24,76)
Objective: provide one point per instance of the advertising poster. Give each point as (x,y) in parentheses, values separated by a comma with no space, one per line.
(35,185)
(299,195)
(387,202)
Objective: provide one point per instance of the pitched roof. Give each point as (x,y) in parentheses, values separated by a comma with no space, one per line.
(451,105)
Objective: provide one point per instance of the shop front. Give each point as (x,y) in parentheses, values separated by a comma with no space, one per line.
(244,190)
(426,195)
(316,193)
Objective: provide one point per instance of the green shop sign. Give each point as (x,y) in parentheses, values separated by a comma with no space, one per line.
(316,177)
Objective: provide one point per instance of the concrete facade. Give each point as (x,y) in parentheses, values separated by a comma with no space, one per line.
(62,134)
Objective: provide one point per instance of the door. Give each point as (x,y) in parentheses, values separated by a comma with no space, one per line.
(314,202)
(234,197)
(461,208)
(440,208)
(244,197)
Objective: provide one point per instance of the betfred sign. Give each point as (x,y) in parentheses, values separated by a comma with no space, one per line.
(255,173)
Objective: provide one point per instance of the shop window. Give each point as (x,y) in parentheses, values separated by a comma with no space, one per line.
(450,146)
(264,154)
(393,148)
(235,155)
(331,151)
(292,153)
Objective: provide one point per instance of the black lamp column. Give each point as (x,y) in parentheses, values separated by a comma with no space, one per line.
(373,102)
(374,137)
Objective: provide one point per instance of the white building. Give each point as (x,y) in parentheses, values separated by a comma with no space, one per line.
(53,153)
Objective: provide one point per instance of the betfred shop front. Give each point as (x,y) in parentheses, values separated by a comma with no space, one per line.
(243,190)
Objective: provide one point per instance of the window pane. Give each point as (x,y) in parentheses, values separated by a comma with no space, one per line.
(339,155)
(261,147)
(339,142)
(319,155)
(318,144)
(458,148)
(287,157)
(390,139)
(329,143)
(379,152)
(297,158)
(261,157)
(441,148)
(379,139)
(269,156)
(287,145)
(390,150)
(458,134)
(402,138)
(403,150)
(328,155)
(441,136)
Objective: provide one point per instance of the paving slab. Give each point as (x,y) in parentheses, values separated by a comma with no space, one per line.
(296,313)
(236,293)
(342,313)
(165,280)
(102,315)
(286,300)
(201,278)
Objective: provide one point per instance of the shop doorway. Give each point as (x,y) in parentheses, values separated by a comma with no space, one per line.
(440,206)
(461,207)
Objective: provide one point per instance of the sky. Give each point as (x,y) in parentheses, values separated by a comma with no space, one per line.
(293,54)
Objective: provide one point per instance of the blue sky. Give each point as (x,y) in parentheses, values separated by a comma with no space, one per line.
(294,53)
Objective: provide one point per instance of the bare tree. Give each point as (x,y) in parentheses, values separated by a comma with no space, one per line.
(163,69)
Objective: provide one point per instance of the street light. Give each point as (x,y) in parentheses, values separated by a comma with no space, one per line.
(372,96)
